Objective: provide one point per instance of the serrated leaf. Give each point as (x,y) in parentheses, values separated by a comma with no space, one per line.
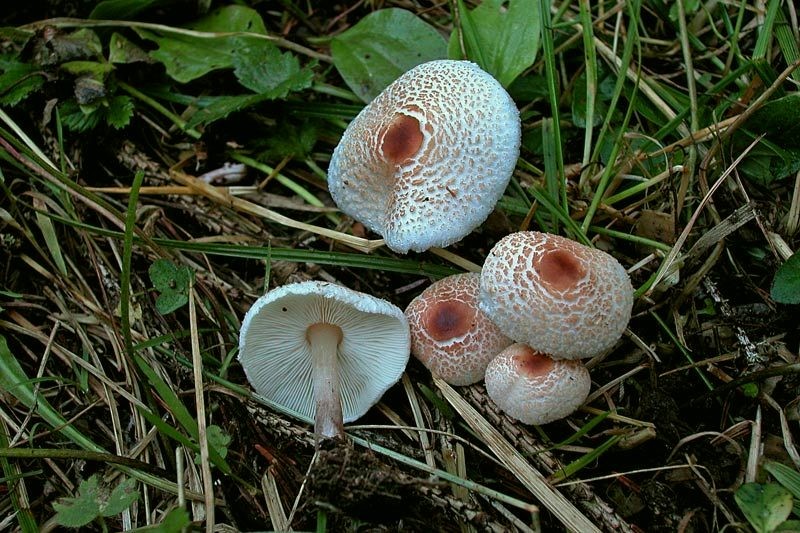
(501,36)
(119,111)
(120,498)
(382,46)
(83,508)
(264,69)
(786,283)
(765,506)
(290,140)
(75,118)
(187,57)
(18,80)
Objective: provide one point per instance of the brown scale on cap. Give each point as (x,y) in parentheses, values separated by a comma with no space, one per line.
(449,319)
(449,334)
(558,268)
(426,161)
(535,388)
(556,295)
(531,363)
(401,140)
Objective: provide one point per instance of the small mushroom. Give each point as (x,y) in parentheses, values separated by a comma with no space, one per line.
(450,335)
(323,351)
(533,387)
(426,161)
(556,295)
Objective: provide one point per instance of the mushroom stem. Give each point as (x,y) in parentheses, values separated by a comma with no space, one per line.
(324,340)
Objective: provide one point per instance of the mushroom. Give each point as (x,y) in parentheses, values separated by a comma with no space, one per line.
(323,351)
(450,335)
(556,295)
(533,387)
(426,161)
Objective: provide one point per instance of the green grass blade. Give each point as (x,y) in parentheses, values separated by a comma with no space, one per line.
(587,459)
(25,518)
(125,275)
(551,71)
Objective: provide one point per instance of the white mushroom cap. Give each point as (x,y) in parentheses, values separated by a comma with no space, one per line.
(426,161)
(276,355)
(450,335)
(535,388)
(556,295)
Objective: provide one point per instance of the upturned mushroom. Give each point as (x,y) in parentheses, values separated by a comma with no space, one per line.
(323,351)
(556,295)
(533,387)
(427,160)
(450,335)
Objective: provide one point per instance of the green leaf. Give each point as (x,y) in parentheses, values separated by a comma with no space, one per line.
(166,276)
(119,111)
(689,7)
(187,57)
(77,118)
(264,69)
(121,9)
(123,50)
(18,80)
(790,526)
(174,522)
(501,36)
(382,46)
(785,475)
(93,501)
(120,498)
(218,441)
(83,508)
(16,35)
(780,120)
(219,107)
(764,506)
(786,284)
(169,301)
(94,69)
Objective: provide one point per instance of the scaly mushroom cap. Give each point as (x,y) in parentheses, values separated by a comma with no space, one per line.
(450,334)
(275,353)
(535,388)
(426,161)
(556,295)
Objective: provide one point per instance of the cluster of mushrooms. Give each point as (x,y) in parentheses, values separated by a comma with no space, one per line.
(423,165)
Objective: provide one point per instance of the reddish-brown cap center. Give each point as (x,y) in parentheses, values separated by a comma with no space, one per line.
(531,363)
(449,319)
(402,139)
(559,269)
